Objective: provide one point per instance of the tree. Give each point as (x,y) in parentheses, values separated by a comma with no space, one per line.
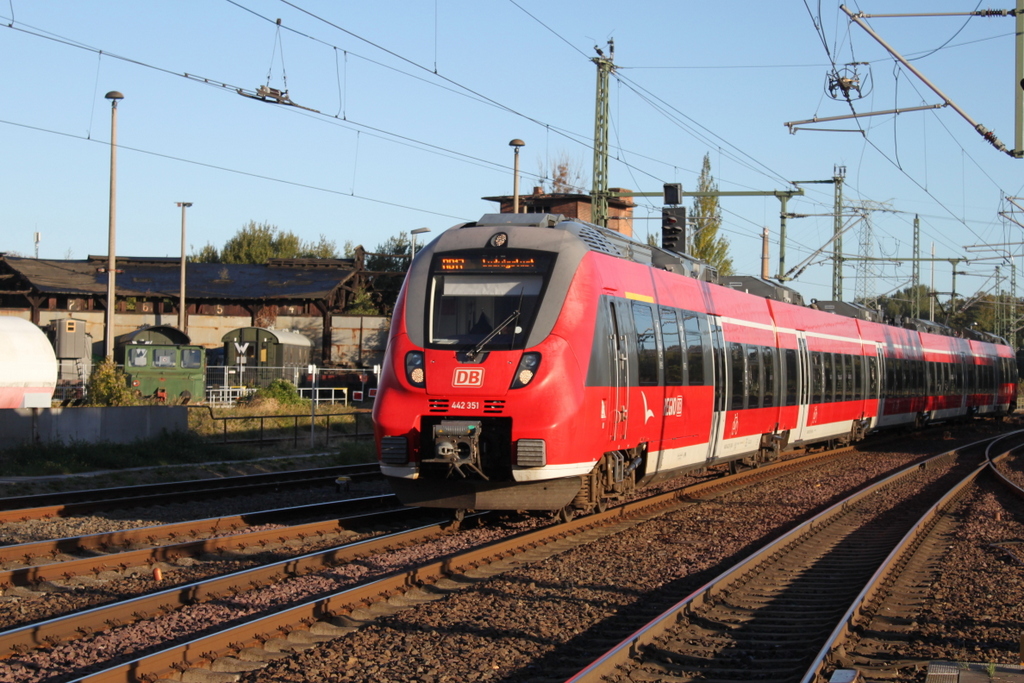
(706,218)
(566,176)
(260,242)
(208,254)
(386,267)
(108,386)
(325,248)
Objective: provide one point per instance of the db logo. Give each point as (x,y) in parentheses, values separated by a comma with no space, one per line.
(468,377)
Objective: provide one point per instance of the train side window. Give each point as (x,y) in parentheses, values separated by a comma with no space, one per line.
(818,370)
(873,377)
(837,360)
(191,358)
(829,388)
(843,388)
(768,364)
(858,377)
(849,362)
(791,377)
(675,362)
(753,377)
(695,342)
(646,344)
(738,367)
(137,358)
(163,358)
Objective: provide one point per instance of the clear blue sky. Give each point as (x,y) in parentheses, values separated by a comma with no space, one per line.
(417,102)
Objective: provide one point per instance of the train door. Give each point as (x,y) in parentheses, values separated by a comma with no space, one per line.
(618,357)
(720,382)
(880,386)
(877,388)
(803,386)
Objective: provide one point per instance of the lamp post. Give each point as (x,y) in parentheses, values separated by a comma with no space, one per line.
(182,320)
(412,249)
(517,143)
(108,330)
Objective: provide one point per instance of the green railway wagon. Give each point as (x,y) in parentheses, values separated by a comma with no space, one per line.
(175,373)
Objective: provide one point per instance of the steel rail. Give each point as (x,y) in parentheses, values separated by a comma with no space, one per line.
(68,503)
(74,626)
(858,610)
(201,651)
(705,595)
(117,541)
(236,542)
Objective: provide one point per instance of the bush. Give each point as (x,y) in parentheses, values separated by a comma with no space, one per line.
(108,386)
(282,391)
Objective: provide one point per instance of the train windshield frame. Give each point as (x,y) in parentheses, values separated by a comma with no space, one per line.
(472,292)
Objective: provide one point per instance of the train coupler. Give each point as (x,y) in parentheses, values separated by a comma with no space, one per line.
(457,444)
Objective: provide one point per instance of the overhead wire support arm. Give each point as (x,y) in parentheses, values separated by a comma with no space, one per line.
(857,18)
(794,125)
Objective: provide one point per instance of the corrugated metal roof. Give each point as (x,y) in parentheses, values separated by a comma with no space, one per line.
(153,278)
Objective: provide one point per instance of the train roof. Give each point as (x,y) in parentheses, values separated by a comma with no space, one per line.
(285,337)
(612,243)
(154,334)
(603,240)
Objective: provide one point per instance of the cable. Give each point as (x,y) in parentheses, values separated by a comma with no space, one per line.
(929,54)
(237,172)
(553,32)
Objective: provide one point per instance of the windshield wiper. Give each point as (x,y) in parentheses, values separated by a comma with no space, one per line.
(494,333)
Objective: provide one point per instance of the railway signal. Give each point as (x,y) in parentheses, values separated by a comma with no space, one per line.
(673,228)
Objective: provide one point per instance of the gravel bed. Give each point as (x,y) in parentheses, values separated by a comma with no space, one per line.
(546,621)
(1013,469)
(72,660)
(973,609)
(136,517)
(540,622)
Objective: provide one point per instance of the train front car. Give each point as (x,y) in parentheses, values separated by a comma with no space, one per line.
(480,396)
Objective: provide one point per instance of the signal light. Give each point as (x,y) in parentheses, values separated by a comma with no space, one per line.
(673,229)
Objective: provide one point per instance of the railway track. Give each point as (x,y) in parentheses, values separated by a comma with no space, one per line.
(72,503)
(94,554)
(223,647)
(769,617)
(873,634)
(328,596)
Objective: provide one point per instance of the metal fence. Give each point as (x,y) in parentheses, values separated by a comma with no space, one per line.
(266,429)
(237,376)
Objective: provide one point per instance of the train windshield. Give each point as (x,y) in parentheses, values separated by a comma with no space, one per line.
(476,300)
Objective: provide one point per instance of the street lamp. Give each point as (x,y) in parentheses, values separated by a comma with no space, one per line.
(417,231)
(182,321)
(108,331)
(517,143)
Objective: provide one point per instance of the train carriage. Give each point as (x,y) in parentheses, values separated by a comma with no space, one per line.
(542,363)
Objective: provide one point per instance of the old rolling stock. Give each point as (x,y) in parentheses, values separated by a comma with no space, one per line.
(538,363)
(28,365)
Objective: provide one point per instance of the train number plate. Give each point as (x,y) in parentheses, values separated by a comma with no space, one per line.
(464,405)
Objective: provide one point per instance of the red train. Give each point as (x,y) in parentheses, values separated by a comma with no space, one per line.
(538,363)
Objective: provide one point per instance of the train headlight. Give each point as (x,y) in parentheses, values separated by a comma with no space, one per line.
(415,371)
(528,365)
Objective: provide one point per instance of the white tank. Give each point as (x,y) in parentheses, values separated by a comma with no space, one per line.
(28,365)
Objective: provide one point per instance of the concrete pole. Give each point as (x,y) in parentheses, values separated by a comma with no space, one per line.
(108,328)
(931,299)
(182,318)
(517,143)
(764,255)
